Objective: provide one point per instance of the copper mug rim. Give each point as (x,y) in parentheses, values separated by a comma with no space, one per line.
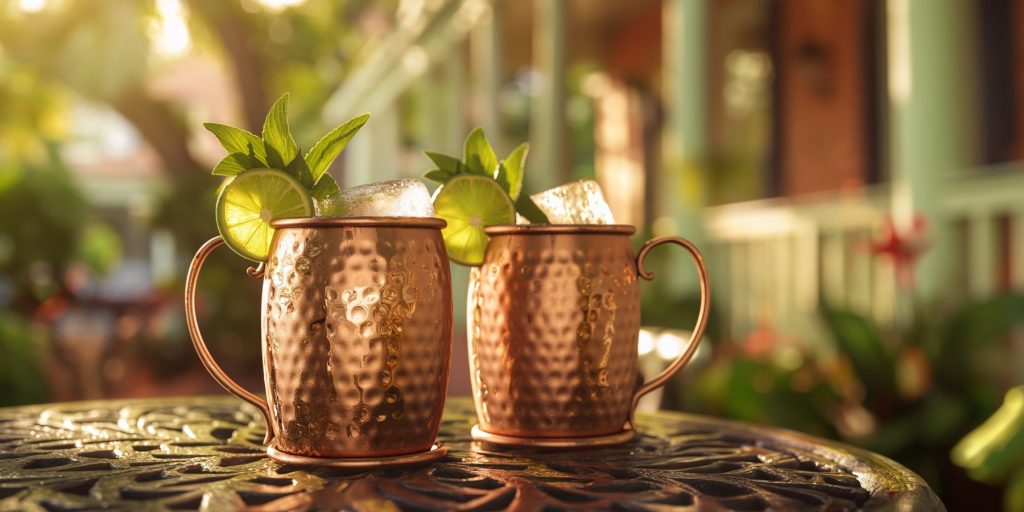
(558,229)
(326,222)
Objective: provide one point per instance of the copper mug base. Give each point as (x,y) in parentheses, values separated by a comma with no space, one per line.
(553,443)
(435,453)
(553,320)
(356,340)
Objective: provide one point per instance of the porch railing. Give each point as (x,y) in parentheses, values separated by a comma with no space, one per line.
(774,260)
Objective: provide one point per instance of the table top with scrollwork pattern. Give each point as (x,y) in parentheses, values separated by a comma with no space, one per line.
(205,453)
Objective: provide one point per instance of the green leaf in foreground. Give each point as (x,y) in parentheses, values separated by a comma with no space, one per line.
(479,155)
(502,178)
(529,210)
(300,171)
(237,140)
(276,133)
(446,163)
(439,176)
(235,164)
(512,168)
(274,159)
(330,146)
(994,451)
(327,196)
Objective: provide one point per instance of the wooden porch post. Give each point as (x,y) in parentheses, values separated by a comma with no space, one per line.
(686,97)
(930,93)
(547,115)
(685,142)
(454,85)
(487,65)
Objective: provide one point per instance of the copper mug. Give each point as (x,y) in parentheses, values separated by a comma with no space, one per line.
(356,339)
(554,320)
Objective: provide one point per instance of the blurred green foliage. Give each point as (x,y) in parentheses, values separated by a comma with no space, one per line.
(45,228)
(21,376)
(927,384)
(40,207)
(103,52)
(761,391)
(41,212)
(99,247)
(97,48)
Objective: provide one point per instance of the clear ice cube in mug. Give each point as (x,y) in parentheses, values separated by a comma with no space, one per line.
(407,197)
(578,202)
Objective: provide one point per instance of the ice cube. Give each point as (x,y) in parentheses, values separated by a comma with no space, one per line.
(578,202)
(407,197)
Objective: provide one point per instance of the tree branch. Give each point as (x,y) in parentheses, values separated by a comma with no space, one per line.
(234,28)
(162,128)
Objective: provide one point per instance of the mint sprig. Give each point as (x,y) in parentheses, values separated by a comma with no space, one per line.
(478,154)
(236,163)
(239,142)
(277,137)
(277,149)
(510,172)
(327,195)
(331,145)
(480,159)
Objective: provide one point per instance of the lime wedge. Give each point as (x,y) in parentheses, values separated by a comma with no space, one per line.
(469,203)
(250,201)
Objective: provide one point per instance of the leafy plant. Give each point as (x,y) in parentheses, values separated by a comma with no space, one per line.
(479,159)
(928,384)
(757,389)
(41,218)
(21,373)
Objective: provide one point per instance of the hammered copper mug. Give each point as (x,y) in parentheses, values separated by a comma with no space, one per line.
(554,320)
(356,340)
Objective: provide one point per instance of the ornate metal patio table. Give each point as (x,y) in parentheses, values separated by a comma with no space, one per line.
(205,454)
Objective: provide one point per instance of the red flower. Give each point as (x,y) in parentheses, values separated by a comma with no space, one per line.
(903,248)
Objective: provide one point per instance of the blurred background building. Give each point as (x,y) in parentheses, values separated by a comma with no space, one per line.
(851,167)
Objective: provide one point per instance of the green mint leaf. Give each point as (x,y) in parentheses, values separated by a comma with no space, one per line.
(446,163)
(235,164)
(300,171)
(513,166)
(502,178)
(276,134)
(479,155)
(274,159)
(527,208)
(439,176)
(331,145)
(237,140)
(327,196)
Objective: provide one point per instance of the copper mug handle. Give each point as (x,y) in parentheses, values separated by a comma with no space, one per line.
(211,365)
(702,315)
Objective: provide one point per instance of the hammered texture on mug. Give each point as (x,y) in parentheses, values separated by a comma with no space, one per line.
(356,341)
(553,323)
